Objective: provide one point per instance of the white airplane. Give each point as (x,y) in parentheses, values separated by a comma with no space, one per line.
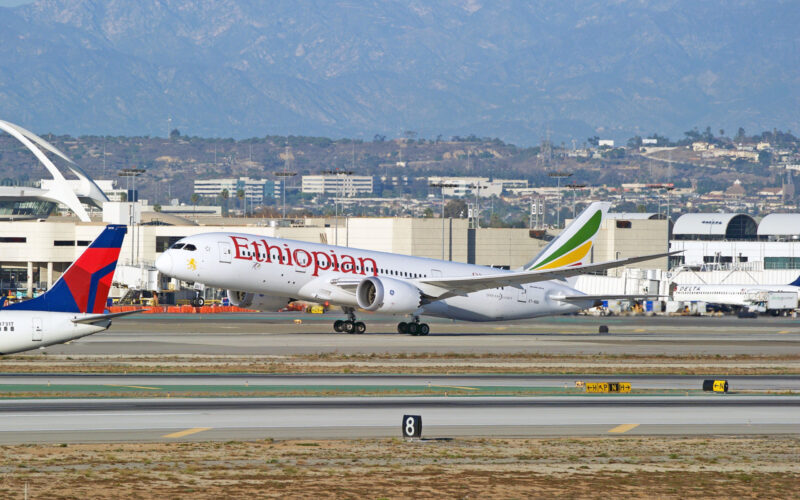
(743,296)
(267,273)
(73,308)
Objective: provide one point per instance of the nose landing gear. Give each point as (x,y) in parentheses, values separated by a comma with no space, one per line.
(350,325)
(413,328)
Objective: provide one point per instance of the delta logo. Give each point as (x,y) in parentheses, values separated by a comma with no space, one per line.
(262,251)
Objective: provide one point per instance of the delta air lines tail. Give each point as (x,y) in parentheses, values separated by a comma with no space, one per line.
(84,287)
(74,307)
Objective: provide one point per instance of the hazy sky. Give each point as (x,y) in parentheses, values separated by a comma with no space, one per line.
(13,3)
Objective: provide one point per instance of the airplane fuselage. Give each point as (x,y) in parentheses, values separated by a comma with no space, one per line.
(26,330)
(313,272)
(734,295)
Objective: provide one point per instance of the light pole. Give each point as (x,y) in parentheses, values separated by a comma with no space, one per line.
(558,176)
(574,187)
(443,185)
(340,176)
(284,176)
(131,173)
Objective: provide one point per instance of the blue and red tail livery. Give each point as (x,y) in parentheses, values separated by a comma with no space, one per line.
(84,287)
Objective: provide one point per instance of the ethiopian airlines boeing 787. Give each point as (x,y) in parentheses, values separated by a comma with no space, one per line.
(267,273)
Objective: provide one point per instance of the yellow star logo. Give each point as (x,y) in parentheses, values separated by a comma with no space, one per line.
(192,265)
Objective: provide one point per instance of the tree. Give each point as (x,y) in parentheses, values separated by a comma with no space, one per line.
(765,158)
(195,199)
(428,213)
(224,194)
(740,135)
(456,209)
(175,134)
(240,195)
(594,141)
(635,142)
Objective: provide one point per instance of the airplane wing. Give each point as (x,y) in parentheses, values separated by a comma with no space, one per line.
(584,298)
(95,318)
(442,288)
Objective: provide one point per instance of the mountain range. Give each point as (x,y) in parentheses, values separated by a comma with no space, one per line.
(346,68)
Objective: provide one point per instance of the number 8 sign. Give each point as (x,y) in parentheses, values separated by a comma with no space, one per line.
(412,426)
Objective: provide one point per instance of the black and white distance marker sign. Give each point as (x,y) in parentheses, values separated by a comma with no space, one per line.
(412,426)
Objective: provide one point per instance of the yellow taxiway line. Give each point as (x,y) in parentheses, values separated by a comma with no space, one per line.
(187,432)
(455,387)
(623,428)
(135,387)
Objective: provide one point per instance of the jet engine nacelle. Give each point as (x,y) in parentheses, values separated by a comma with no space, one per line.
(388,295)
(257,301)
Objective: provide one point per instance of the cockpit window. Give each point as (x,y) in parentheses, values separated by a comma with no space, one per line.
(176,246)
(190,248)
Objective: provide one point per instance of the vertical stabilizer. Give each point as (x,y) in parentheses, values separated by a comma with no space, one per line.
(84,287)
(573,246)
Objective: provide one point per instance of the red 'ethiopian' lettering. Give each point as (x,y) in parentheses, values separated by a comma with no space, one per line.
(305,262)
(348,264)
(320,258)
(239,247)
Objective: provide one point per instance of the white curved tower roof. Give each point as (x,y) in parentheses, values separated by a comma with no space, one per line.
(59,191)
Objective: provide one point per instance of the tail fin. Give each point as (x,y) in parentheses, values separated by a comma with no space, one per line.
(795,282)
(573,245)
(84,287)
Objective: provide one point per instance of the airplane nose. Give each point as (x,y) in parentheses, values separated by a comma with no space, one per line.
(164,264)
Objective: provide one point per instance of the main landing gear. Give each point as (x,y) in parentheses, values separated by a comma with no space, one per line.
(414,328)
(350,325)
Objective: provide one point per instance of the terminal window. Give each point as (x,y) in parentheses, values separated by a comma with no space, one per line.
(781,262)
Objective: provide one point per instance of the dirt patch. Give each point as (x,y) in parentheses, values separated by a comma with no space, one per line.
(622,466)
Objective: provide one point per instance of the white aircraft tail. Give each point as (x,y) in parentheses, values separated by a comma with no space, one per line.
(574,245)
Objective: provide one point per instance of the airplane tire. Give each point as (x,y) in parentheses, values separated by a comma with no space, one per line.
(602,329)
(424,329)
(402,327)
(360,327)
(200,301)
(348,327)
(413,328)
(337,325)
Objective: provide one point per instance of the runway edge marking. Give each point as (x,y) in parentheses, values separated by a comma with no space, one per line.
(623,428)
(186,432)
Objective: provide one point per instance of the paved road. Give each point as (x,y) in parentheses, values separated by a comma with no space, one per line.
(276,334)
(680,382)
(250,418)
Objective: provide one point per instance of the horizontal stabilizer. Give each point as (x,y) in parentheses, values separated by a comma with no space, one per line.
(96,318)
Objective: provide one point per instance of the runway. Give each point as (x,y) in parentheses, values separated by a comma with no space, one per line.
(83,382)
(168,407)
(278,334)
(54,421)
